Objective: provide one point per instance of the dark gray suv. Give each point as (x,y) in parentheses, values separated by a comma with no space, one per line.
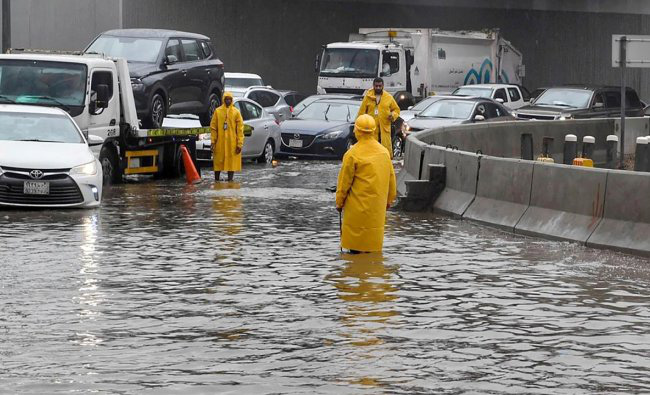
(172,72)
(580,101)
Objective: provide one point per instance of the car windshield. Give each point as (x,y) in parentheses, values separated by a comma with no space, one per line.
(452,109)
(236,82)
(328,111)
(421,106)
(473,91)
(38,127)
(133,49)
(350,62)
(573,98)
(56,84)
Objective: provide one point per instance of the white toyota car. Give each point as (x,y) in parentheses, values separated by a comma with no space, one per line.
(45,160)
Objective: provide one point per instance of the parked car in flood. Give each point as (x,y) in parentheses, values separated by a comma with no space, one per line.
(261,134)
(413,111)
(271,100)
(323,129)
(581,101)
(511,96)
(45,160)
(461,110)
(238,83)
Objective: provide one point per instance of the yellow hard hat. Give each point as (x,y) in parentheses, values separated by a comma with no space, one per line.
(365,124)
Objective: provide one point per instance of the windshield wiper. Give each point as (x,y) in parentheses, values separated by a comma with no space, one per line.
(39,141)
(556,105)
(50,98)
(6,99)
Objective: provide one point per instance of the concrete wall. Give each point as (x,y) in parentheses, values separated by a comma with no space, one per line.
(61,24)
(596,207)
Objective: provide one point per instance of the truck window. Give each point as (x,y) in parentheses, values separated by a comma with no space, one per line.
(174,49)
(102,78)
(514,94)
(350,63)
(192,50)
(501,94)
(390,62)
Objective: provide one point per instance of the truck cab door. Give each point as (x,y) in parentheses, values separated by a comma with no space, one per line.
(103,122)
(393,70)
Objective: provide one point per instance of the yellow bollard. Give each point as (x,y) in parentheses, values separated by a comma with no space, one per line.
(584,162)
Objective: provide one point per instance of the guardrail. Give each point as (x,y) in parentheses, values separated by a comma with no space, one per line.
(486,181)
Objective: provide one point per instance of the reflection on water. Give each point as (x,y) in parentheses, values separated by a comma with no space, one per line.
(240,288)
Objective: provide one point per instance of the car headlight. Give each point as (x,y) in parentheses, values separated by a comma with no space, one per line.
(137,84)
(406,128)
(205,136)
(332,135)
(89,169)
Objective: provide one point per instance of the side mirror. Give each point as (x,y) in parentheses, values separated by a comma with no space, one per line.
(248,130)
(170,59)
(94,140)
(499,100)
(599,105)
(102,96)
(410,108)
(479,118)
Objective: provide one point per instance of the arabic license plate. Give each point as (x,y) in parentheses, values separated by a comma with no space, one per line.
(36,188)
(295,143)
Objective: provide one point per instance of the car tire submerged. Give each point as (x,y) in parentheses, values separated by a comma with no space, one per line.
(267,154)
(110,165)
(213,102)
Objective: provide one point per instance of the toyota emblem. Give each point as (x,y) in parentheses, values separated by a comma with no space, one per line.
(36,174)
(296,135)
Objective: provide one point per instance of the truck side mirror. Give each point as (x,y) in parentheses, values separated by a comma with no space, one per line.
(317,63)
(479,118)
(102,96)
(170,59)
(598,105)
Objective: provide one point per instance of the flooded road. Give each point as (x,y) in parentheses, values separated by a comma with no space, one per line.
(240,288)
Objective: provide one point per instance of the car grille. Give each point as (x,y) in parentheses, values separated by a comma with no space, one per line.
(63,190)
(535,116)
(345,90)
(307,139)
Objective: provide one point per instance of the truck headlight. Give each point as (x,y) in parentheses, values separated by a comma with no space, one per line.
(89,169)
(332,135)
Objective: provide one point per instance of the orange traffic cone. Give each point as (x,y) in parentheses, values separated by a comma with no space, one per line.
(190,171)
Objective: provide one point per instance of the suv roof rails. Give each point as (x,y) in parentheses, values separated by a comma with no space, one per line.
(43,51)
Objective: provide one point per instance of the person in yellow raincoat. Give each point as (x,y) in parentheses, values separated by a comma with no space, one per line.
(227,130)
(366,188)
(384,109)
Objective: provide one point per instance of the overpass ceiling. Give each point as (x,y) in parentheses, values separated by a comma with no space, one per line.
(597,6)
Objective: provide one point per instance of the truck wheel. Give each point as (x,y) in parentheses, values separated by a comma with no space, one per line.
(171,161)
(267,154)
(157,112)
(213,103)
(110,166)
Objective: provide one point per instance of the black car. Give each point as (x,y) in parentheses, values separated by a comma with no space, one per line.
(580,101)
(323,129)
(172,72)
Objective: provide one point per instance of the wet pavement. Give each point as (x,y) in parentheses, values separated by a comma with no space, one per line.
(240,288)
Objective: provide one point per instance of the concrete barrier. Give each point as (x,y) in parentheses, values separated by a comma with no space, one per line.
(461,178)
(566,202)
(626,222)
(433,155)
(413,156)
(503,192)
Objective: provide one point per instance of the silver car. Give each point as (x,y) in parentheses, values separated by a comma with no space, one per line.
(272,101)
(261,131)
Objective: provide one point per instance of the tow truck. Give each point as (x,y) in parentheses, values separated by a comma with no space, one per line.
(96,91)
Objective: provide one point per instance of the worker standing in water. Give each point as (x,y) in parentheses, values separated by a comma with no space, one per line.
(227,135)
(384,109)
(366,188)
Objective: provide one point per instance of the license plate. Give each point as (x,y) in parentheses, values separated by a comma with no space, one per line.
(295,143)
(36,188)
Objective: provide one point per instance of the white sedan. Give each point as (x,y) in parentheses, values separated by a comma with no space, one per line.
(45,160)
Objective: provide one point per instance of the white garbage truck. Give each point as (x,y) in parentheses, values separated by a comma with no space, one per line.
(416,63)
(96,91)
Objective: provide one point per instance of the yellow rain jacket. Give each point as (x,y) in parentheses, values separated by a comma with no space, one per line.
(387,106)
(227,129)
(366,187)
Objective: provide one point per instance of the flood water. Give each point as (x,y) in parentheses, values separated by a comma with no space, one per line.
(240,288)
